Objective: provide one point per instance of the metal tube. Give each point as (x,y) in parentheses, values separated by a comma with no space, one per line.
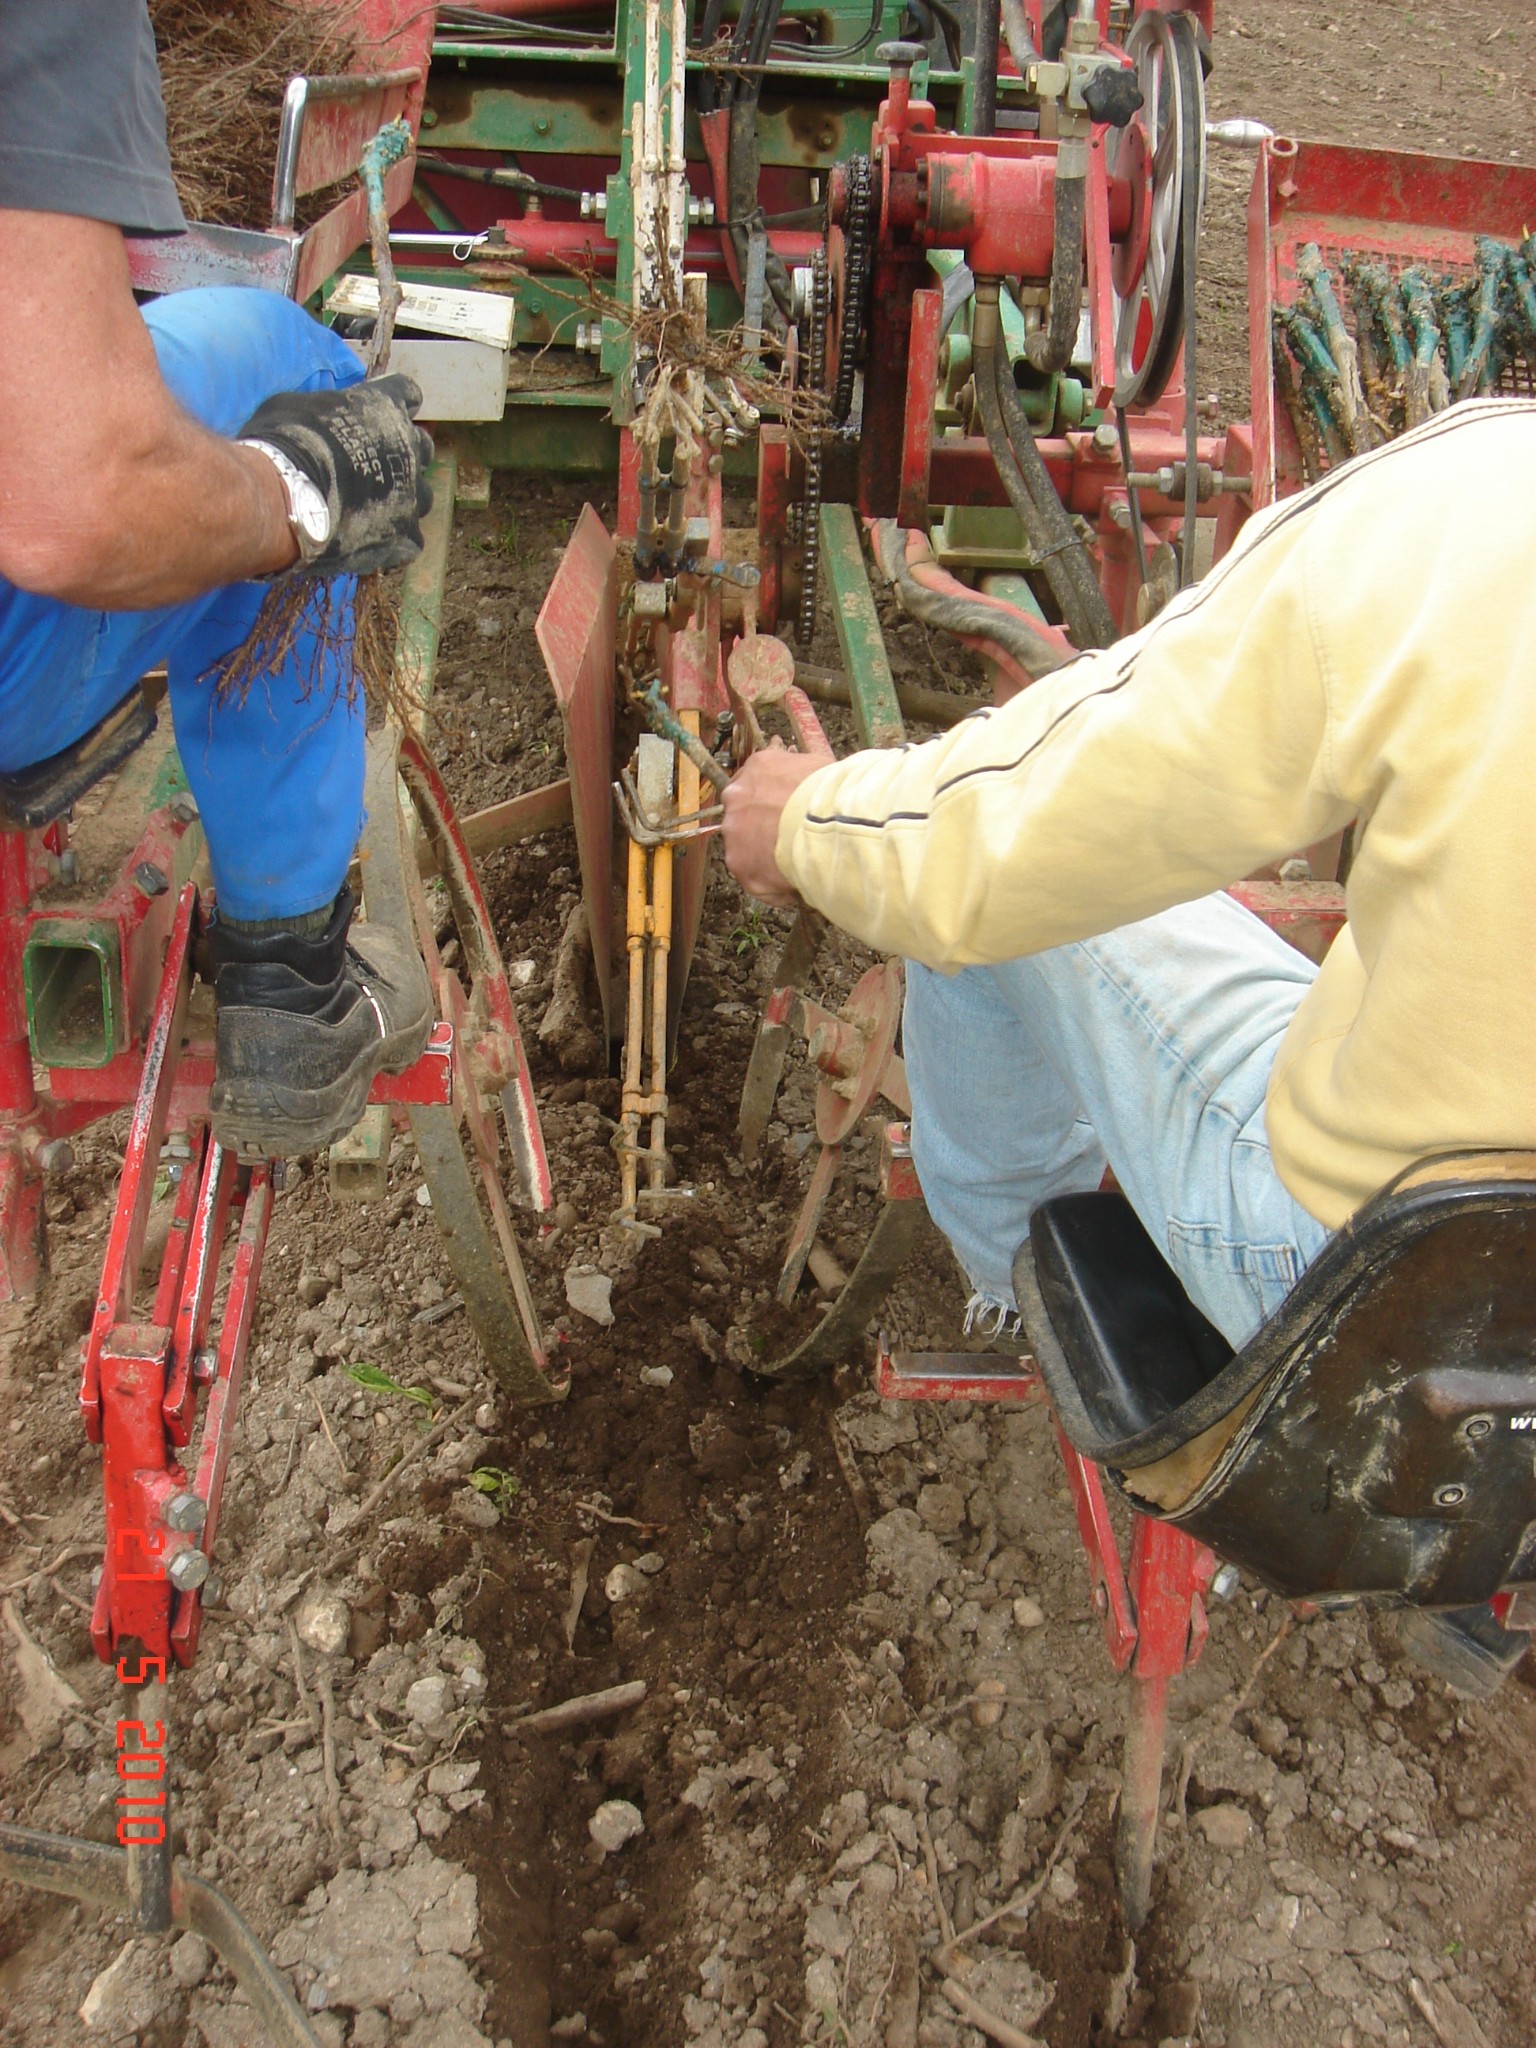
(660,950)
(634,1027)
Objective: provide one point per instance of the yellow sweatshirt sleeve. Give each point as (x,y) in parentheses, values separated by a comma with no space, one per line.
(1141,776)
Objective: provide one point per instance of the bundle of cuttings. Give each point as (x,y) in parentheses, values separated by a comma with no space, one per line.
(225,66)
(1366,354)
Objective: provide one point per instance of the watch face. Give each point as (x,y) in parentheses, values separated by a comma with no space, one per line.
(311,513)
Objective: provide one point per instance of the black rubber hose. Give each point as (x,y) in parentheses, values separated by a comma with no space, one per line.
(1091,622)
(1050,348)
(1049,532)
(984,74)
(1007,629)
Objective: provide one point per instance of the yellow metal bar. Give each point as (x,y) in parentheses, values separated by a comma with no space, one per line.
(661,946)
(635,922)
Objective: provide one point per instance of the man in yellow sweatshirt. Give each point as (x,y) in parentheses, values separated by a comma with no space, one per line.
(1366,653)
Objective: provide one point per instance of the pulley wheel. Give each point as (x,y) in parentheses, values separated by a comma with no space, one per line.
(1158,154)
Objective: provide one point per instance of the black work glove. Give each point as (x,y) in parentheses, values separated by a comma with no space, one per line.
(362,450)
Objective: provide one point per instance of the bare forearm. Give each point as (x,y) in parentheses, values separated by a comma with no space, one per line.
(111,495)
(175,517)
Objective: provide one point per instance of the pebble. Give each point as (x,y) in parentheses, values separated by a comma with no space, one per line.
(622,1583)
(475,1509)
(1225,1827)
(656,1376)
(124,1998)
(1027,1611)
(190,1959)
(987,1706)
(615,1822)
(430,1699)
(590,1293)
(324,1621)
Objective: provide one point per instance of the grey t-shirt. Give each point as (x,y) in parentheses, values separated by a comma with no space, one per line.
(82,123)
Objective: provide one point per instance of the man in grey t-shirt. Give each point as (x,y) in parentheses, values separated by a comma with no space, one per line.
(154,466)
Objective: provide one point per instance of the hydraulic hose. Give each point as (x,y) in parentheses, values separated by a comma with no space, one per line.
(984,72)
(1050,347)
(1022,647)
(1021,46)
(1047,528)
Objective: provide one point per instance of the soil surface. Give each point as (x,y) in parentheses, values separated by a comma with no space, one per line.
(877,1703)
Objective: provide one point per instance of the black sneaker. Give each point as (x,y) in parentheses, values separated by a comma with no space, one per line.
(1466,1646)
(304,1024)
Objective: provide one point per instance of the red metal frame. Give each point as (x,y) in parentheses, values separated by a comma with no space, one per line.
(1400,205)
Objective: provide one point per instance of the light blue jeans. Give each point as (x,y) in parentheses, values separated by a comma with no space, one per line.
(1148,1050)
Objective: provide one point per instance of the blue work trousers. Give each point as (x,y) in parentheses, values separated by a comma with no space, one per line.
(278,777)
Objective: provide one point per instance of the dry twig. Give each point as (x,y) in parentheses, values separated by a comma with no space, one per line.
(575,1713)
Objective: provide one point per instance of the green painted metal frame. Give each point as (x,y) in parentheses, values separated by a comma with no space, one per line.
(876,712)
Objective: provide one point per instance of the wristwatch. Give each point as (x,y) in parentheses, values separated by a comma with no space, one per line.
(309,516)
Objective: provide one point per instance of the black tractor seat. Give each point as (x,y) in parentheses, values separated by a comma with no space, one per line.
(31,798)
(1376,1437)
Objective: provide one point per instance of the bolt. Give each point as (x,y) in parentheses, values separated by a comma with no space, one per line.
(429,117)
(900,56)
(185,1513)
(1105,440)
(151,880)
(187,1570)
(541,125)
(69,867)
(1478,1426)
(184,807)
(205,1363)
(1450,1496)
(1226,1582)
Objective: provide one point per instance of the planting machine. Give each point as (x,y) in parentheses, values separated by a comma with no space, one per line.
(922,285)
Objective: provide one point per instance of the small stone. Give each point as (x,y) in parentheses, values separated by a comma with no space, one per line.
(430,1699)
(590,1292)
(1027,1612)
(622,1583)
(190,1959)
(124,1998)
(475,1509)
(488,625)
(572,2028)
(656,1376)
(423,1197)
(827,1930)
(324,1621)
(433,1819)
(370,2028)
(456,1776)
(1225,1827)
(987,1706)
(651,1563)
(615,1822)
(313,1288)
